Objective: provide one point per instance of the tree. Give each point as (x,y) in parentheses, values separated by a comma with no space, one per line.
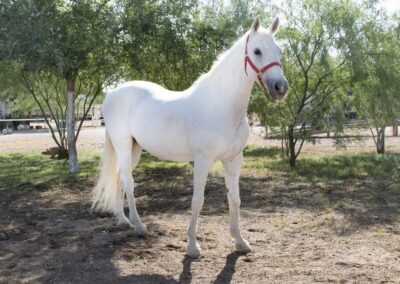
(377,76)
(70,40)
(316,70)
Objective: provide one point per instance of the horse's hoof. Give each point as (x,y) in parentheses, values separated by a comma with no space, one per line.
(124,223)
(124,226)
(243,247)
(193,251)
(140,230)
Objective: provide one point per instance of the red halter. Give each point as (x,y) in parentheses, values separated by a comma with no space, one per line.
(258,71)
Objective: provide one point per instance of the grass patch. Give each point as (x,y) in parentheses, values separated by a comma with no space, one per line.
(33,168)
(260,160)
(353,166)
(261,152)
(148,161)
(18,169)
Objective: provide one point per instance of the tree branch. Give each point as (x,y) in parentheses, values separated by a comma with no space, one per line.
(302,128)
(300,147)
(315,50)
(96,93)
(321,78)
(30,89)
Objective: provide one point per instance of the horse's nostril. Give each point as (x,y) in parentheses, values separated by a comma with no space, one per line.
(280,88)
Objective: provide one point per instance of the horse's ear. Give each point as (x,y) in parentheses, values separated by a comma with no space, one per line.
(274,26)
(256,24)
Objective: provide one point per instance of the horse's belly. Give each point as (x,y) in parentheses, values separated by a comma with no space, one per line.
(168,151)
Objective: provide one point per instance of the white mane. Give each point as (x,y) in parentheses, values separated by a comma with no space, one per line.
(228,65)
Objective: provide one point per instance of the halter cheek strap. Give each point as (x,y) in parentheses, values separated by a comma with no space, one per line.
(259,72)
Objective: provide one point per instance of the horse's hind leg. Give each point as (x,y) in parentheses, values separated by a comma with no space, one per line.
(124,166)
(119,212)
(139,228)
(128,155)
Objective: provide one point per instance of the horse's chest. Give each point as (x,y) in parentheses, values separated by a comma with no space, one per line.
(234,141)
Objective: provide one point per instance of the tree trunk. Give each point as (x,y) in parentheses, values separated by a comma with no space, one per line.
(328,123)
(292,147)
(396,128)
(73,156)
(380,145)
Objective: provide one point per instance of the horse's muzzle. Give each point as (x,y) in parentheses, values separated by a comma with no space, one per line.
(278,88)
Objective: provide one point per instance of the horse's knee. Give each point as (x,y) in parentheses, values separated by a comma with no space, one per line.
(234,200)
(197,201)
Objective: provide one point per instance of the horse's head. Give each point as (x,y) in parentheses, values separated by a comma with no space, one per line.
(262,59)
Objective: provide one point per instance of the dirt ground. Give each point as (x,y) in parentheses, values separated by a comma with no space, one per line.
(301,231)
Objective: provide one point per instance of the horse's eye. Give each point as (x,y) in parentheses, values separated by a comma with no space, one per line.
(257,51)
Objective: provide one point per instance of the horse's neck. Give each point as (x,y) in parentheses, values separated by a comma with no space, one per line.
(228,80)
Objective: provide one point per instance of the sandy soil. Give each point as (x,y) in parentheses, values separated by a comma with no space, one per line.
(301,232)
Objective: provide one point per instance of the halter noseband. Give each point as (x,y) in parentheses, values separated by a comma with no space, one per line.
(258,71)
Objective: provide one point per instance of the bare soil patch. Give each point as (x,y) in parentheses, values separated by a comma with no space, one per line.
(343,231)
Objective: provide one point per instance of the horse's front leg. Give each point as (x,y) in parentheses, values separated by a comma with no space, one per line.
(200,172)
(232,173)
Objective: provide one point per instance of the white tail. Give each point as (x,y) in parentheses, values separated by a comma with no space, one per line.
(107,190)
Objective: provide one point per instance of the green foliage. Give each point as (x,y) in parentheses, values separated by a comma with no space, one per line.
(69,39)
(14,92)
(376,77)
(375,58)
(62,37)
(155,39)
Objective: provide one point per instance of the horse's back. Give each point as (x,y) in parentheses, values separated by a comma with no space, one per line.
(130,93)
(125,100)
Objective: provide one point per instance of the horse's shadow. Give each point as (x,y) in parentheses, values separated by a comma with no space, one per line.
(186,275)
(225,276)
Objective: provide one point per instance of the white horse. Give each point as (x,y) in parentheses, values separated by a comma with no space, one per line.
(204,123)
